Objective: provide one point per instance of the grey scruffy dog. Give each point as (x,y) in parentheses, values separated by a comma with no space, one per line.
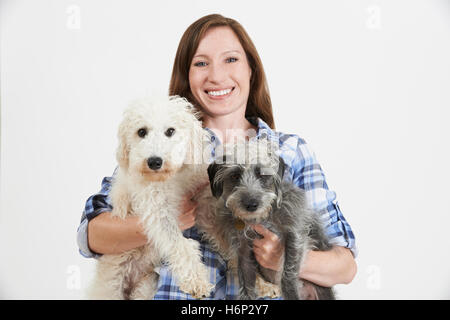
(253,192)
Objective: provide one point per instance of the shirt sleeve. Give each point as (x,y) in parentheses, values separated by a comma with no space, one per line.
(95,205)
(307,174)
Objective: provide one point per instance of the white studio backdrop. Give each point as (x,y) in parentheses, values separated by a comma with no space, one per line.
(365,82)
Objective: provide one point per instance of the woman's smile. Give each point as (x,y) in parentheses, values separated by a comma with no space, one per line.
(219,94)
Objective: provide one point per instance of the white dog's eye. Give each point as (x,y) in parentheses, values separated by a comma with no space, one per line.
(169,132)
(142,132)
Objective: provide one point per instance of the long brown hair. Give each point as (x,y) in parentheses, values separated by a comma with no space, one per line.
(259,103)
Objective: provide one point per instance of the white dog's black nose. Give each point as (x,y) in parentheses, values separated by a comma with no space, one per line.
(154,163)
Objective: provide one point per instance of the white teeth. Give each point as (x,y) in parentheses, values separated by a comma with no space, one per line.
(219,93)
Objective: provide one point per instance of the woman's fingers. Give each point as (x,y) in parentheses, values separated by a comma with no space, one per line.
(198,189)
(186,219)
(188,207)
(268,250)
(266,233)
(202,186)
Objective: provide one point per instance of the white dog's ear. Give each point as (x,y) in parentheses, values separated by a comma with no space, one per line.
(198,135)
(196,143)
(122,149)
(119,196)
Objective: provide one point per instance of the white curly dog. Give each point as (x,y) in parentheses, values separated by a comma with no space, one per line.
(160,157)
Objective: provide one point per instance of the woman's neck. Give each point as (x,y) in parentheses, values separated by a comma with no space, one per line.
(228,128)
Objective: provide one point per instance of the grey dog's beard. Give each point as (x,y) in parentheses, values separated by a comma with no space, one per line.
(250,217)
(233,203)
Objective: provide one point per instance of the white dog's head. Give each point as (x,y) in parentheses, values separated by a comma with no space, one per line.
(158,136)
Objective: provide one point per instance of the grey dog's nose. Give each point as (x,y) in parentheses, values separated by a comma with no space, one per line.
(154,163)
(251,204)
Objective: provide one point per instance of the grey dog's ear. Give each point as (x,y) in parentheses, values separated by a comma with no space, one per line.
(216,186)
(278,181)
(281,167)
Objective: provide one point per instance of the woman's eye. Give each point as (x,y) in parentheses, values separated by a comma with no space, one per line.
(200,64)
(169,132)
(142,132)
(229,60)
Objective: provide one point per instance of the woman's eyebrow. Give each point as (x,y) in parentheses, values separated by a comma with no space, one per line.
(201,55)
(232,51)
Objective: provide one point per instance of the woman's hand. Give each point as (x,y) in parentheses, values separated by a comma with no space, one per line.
(186,219)
(268,250)
(325,268)
(188,208)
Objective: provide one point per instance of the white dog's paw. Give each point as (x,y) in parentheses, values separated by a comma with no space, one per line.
(198,286)
(198,289)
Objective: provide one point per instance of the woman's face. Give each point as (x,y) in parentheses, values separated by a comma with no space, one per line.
(219,75)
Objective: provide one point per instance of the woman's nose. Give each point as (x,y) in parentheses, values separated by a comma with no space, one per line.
(216,73)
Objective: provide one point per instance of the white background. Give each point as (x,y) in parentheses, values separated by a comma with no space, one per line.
(365,82)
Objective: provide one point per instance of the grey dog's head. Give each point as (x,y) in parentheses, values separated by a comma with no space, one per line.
(249,190)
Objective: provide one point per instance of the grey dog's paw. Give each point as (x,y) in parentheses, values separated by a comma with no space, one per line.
(267,289)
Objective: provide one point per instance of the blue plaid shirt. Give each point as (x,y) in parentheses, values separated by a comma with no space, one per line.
(302,169)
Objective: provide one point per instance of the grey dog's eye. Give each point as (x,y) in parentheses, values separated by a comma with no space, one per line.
(169,132)
(142,132)
(235,176)
(261,173)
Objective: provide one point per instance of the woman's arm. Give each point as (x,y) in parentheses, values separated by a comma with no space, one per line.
(113,235)
(328,268)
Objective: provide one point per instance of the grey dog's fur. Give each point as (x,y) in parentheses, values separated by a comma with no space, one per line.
(281,207)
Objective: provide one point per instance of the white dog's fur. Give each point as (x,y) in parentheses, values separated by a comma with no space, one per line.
(155,197)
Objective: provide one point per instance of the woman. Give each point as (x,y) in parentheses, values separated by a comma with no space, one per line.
(218,69)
